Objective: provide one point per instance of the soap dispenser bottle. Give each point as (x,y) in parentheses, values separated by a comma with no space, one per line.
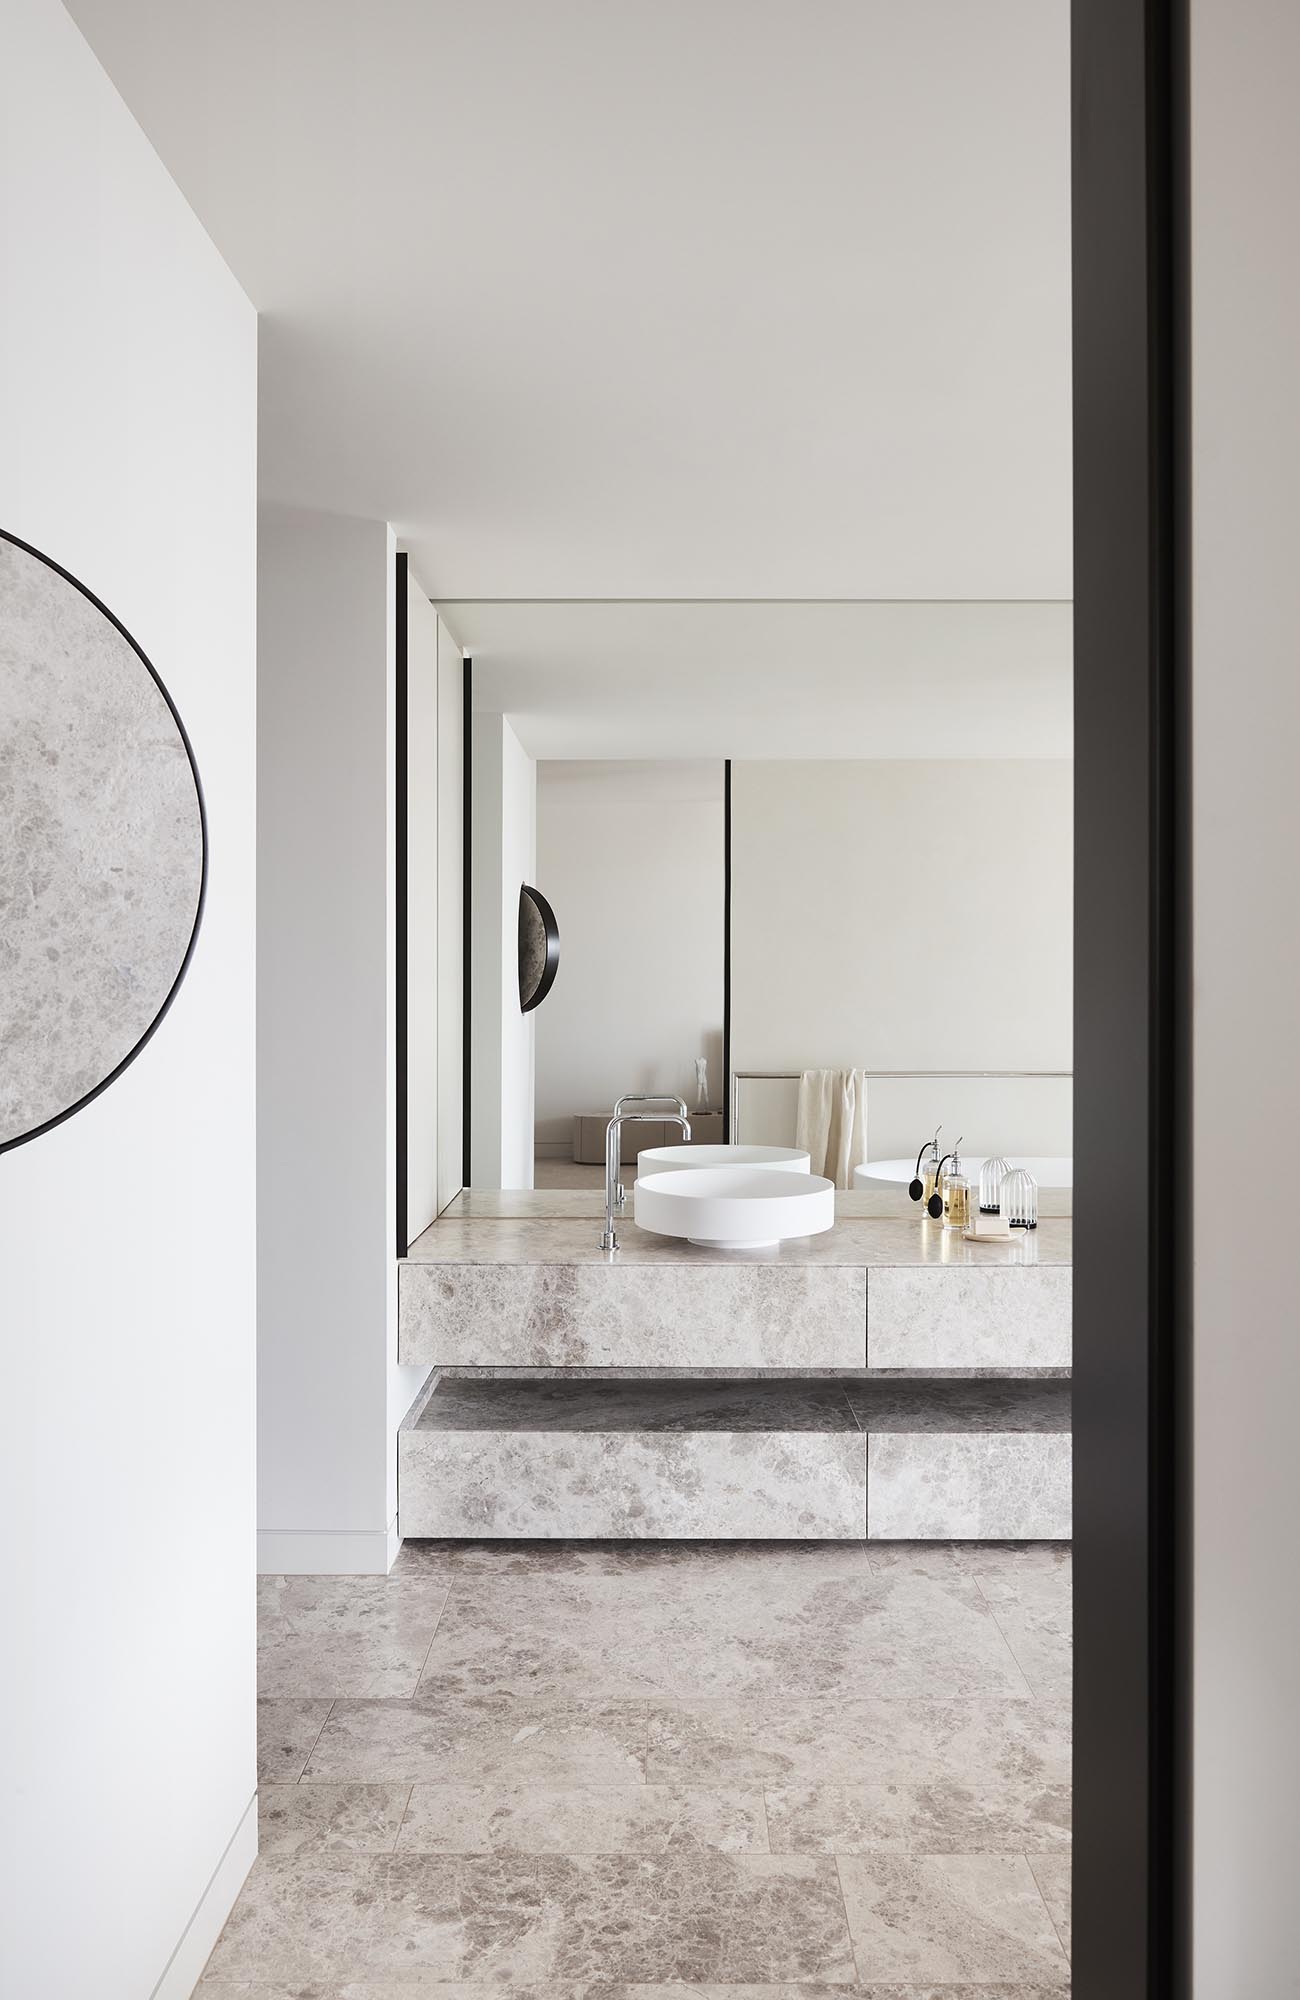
(956,1193)
(927,1170)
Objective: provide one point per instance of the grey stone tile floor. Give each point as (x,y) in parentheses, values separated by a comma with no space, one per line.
(662,1772)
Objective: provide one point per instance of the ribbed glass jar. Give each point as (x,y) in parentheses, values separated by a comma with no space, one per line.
(1020,1199)
(992,1174)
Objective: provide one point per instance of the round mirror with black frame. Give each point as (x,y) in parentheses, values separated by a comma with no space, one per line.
(103,845)
(539,948)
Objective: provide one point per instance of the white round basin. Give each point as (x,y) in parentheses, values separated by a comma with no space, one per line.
(1049,1170)
(734,1208)
(667,1159)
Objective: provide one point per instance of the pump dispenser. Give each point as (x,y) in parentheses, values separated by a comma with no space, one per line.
(927,1168)
(956,1193)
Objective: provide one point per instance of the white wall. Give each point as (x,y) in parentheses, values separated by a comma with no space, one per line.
(330,1392)
(1245,163)
(867,930)
(504,810)
(127,452)
(630,856)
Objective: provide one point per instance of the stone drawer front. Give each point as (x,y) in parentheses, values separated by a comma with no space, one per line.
(631,1315)
(632,1485)
(1007,1317)
(983,1486)
(758,1460)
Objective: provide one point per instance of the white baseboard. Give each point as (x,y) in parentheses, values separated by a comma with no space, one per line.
(327,1551)
(182,1971)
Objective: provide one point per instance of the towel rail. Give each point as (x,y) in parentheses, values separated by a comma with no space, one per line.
(739,1076)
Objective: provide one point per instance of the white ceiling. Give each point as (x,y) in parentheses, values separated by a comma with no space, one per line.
(774,680)
(645,298)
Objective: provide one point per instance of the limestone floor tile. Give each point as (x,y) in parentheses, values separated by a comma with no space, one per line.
(589,1819)
(671,1632)
(286,1732)
(563,1989)
(947,1917)
(1052,1874)
(977,1559)
(1035,1616)
(355,1635)
(975,1818)
(855,1740)
(810,1991)
(547,1741)
(766,1561)
(353,1819)
(504,1919)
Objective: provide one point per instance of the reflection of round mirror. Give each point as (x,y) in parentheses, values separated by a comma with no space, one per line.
(539,948)
(103,847)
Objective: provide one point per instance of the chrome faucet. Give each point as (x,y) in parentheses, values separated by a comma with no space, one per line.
(641,1097)
(614,1146)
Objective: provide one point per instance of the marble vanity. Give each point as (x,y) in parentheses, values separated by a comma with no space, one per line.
(881,1380)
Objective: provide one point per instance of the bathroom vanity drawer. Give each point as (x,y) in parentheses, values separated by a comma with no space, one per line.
(633,1460)
(651,1315)
(967,1461)
(1000,1316)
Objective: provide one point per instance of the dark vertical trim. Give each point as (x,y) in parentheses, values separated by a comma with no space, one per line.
(1130,787)
(1177,1615)
(467,909)
(401,808)
(726,952)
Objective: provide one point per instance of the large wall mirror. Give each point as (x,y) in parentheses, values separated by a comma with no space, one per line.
(880,796)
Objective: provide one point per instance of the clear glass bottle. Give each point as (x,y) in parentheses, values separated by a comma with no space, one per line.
(1020,1199)
(956,1193)
(992,1174)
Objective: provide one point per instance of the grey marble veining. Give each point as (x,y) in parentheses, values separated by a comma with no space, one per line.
(538,1314)
(287,1730)
(654,1632)
(697,1484)
(855,1241)
(846,1738)
(326,1635)
(945,1485)
(1052,1874)
(588,1819)
(949,1917)
(617,1405)
(973,1405)
(1035,1617)
(553,1737)
(509,1919)
(945,1818)
(325,1819)
(571,1203)
(101,845)
(936,1318)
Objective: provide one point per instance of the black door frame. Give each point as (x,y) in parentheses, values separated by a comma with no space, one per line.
(1130,196)
(1131,997)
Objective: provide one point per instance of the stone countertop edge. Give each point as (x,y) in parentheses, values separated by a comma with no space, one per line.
(854,1244)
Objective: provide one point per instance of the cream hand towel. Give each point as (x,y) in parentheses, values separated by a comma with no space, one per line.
(831,1124)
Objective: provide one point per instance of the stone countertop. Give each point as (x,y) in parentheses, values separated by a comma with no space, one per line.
(856,1242)
(573,1204)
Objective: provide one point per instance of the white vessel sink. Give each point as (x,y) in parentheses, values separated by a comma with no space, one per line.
(1049,1171)
(666,1159)
(734,1208)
